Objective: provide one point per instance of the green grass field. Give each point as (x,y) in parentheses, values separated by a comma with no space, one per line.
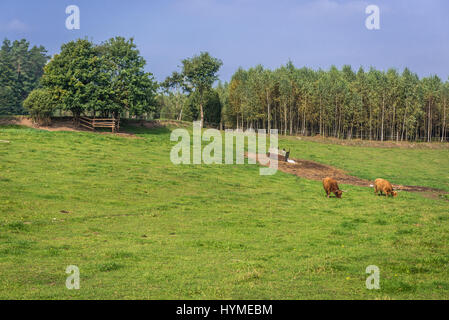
(139,227)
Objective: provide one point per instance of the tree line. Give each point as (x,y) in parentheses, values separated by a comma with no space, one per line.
(371,104)
(109,80)
(21,67)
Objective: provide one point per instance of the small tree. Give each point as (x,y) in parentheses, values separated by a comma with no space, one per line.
(198,75)
(174,87)
(41,103)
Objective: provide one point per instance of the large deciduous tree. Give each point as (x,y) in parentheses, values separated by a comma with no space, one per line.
(108,79)
(129,87)
(78,73)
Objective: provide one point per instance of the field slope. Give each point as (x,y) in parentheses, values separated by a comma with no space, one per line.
(138,226)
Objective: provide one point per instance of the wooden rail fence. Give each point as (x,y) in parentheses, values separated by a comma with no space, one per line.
(92,123)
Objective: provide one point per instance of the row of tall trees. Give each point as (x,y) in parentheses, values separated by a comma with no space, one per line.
(186,107)
(342,103)
(21,67)
(105,80)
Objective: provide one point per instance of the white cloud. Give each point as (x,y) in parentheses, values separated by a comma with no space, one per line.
(16,25)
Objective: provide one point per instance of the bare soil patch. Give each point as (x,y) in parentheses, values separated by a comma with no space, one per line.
(145,124)
(58,125)
(375,144)
(157,123)
(317,171)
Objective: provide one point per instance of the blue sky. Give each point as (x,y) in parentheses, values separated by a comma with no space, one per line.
(313,33)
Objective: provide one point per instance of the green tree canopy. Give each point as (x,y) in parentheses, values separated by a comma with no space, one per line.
(198,75)
(108,79)
(41,103)
(21,67)
(383,105)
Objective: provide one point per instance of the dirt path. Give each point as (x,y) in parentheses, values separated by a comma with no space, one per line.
(66,124)
(316,171)
(374,144)
(59,125)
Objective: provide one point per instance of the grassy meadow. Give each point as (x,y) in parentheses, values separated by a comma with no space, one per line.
(139,227)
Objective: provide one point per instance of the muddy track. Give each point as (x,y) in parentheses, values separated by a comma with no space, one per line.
(317,171)
(375,144)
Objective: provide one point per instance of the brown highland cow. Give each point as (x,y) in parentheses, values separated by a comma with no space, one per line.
(384,187)
(331,186)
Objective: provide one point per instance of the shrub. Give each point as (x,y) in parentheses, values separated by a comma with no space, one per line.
(40,103)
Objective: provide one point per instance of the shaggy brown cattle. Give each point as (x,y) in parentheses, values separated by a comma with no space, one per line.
(331,186)
(385,187)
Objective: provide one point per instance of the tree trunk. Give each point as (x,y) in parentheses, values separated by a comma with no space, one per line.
(403,123)
(304,122)
(429,122)
(336,116)
(76,117)
(285,120)
(339,125)
(291,121)
(382,127)
(202,114)
(321,121)
(393,124)
(269,113)
(370,124)
(443,130)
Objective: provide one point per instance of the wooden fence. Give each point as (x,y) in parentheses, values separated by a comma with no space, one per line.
(92,123)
